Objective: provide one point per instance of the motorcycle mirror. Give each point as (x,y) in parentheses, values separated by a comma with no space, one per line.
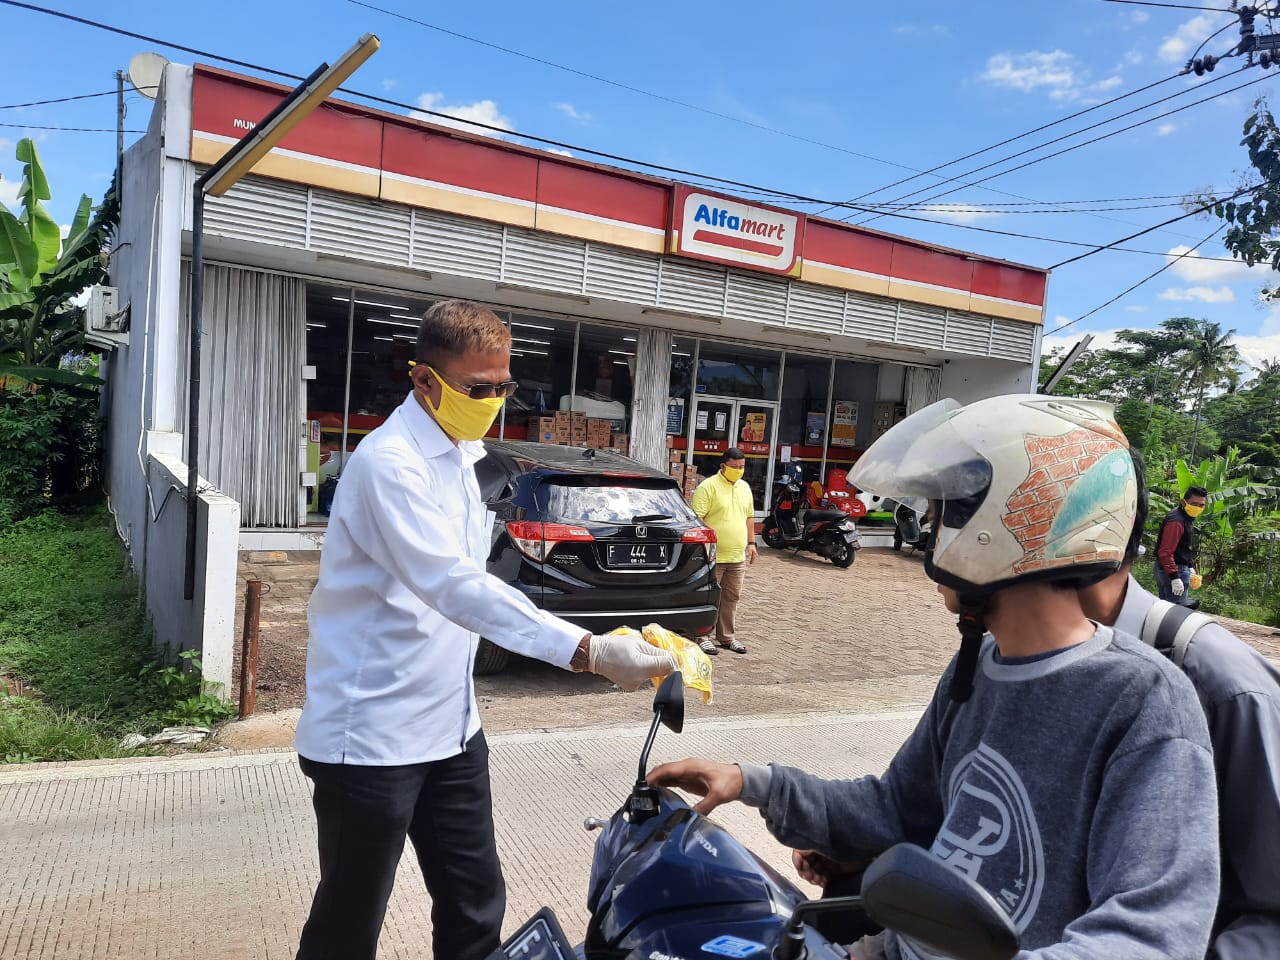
(668,702)
(913,893)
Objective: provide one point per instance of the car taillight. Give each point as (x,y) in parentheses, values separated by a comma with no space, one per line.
(536,540)
(705,536)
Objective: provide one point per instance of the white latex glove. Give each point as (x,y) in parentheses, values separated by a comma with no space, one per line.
(629,661)
(1176,586)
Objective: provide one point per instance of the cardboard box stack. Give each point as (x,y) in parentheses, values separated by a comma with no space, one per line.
(598,433)
(577,428)
(542,429)
(620,443)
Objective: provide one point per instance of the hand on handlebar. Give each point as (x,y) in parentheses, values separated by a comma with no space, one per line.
(820,870)
(716,783)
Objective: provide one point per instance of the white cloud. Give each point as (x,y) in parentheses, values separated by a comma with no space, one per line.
(457,115)
(9,193)
(1201,271)
(1055,72)
(1136,308)
(1165,129)
(1102,86)
(1140,16)
(572,112)
(1254,349)
(557,150)
(388,84)
(1177,46)
(1201,294)
(1133,57)
(908,29)
(958,212)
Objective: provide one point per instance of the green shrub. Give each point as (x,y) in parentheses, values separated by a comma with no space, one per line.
(50,449)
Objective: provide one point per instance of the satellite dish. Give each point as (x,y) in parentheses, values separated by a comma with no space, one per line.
(145,71)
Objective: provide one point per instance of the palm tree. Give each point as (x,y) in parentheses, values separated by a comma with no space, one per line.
(1212,360)
(1156,348)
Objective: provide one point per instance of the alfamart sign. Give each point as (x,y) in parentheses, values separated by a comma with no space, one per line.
(725,230)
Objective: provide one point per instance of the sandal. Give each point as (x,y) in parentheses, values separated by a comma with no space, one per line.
(737,646)
(709,648)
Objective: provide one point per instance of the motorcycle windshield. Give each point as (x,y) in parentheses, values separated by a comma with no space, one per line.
(923,456)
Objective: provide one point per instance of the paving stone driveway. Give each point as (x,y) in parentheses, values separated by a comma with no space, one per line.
(872,637)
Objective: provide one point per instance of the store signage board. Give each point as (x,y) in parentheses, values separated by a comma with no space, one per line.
(707,226)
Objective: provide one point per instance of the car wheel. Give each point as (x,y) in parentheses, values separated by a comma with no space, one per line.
(773,538)
(842,554)
(490,659)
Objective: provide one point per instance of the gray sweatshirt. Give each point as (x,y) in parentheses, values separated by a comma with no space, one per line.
(1240,693)
(1077,789)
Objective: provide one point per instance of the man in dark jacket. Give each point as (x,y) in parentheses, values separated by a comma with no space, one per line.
(1175,548)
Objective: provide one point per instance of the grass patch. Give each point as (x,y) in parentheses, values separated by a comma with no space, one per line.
(73,625)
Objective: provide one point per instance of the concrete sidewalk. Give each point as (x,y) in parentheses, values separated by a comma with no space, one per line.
(213,856)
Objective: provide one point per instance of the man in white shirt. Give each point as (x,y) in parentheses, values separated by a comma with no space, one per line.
(390,733)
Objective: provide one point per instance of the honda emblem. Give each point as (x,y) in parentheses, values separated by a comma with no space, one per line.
(642,532)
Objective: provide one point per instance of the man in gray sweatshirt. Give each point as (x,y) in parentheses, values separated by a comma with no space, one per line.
(1062,766)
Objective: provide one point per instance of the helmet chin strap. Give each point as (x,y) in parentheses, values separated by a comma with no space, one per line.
(973,626)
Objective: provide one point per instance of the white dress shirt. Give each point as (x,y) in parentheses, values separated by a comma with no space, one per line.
(403,597)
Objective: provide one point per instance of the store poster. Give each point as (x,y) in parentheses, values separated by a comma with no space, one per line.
(722,421)
(844,426)
(755,427)
(675,414)
(815,425)
(702,420)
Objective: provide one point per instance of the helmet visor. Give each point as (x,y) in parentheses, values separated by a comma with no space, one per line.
(923,456)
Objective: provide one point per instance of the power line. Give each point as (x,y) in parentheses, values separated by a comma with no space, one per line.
(1134,236)
(676,171)
(1173,6)
(629,87)
(1005,142)
(41,103)
(34,126)
(1067,136)
(1114,133)
(1151,276)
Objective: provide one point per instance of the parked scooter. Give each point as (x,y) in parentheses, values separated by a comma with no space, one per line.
(791,523)
(668,882)
(912,525)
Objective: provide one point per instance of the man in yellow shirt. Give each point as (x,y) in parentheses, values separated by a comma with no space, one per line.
(723,502)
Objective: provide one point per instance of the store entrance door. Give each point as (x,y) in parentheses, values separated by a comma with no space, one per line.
(750,425)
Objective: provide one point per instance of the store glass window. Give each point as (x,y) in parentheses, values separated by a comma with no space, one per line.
(542,356)
(680,390)
(732,370)
(853,401)
(803,415)
(606,376)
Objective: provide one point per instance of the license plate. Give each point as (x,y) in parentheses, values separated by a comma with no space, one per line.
(851,536)
(540,938)
(636,555)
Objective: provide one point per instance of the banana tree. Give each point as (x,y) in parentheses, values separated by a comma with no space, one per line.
(40,274)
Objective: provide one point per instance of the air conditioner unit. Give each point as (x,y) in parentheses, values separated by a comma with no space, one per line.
(106,325)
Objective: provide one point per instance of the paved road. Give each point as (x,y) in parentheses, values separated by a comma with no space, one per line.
(213,856)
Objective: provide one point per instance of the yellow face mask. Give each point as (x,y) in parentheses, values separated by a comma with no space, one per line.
(458,415)
(1192,511)
(733,474)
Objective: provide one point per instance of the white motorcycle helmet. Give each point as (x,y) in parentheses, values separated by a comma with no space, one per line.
(1030,488)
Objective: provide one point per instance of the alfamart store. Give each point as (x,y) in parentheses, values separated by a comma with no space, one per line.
(669,314)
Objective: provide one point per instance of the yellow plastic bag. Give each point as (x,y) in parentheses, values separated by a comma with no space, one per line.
(1195,581)
(692,663)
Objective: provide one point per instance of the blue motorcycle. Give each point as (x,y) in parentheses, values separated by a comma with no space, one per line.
(667,882)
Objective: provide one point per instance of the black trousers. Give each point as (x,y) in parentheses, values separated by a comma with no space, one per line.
(363,815)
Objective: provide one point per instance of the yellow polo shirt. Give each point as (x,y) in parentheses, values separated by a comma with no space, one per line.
(724,507)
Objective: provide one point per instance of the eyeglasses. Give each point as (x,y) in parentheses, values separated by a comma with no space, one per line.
(482,391)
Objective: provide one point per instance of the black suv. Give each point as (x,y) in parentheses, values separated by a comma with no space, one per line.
(596,538)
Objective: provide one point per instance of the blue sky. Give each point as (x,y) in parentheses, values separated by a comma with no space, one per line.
(863,93)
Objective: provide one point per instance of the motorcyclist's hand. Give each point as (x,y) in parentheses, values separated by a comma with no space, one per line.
(1176,586)
(820,870)
(628,660)
(716,783)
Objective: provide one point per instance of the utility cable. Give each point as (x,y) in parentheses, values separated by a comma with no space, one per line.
(1085,143)
(41,103)
(632,89)
(34,126)
(1133,236)
(1105,136)
(1172,6)
(675,171)
(1005,142)
(1149,277)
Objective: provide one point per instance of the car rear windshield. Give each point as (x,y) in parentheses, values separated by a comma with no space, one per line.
(611,501)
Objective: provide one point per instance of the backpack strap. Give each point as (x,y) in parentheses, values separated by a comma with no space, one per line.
(1169,627)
